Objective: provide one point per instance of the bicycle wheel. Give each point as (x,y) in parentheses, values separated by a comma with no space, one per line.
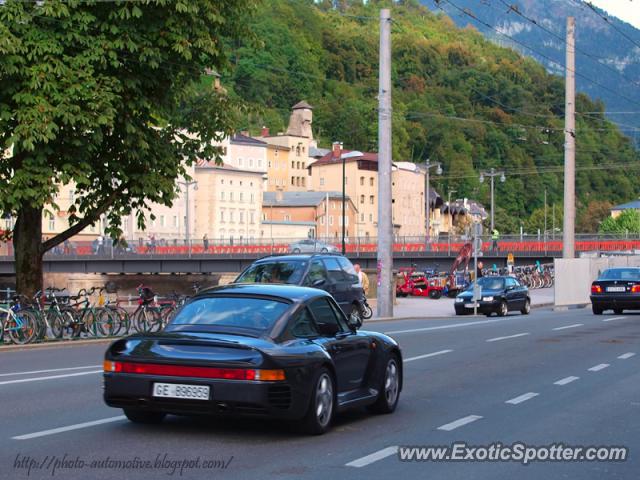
(88,324)
(21,327)
(167,312)
(105,321)
(121,320)
(146,319)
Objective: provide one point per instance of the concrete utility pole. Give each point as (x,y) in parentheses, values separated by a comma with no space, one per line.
(427,167)
(568,231)
(492,174)
(385,225)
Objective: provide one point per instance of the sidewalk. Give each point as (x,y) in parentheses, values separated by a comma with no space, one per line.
(424,307)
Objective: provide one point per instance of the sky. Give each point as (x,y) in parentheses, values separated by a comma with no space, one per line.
(627,10)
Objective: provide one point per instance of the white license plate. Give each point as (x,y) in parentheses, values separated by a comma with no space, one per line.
(469,305)
(616,289)
(176,390)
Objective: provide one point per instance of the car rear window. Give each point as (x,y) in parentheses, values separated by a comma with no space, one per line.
(283,271)
(621,274)
(239,312)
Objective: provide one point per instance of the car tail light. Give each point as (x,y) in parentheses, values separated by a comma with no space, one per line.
(197,372)
(596,289)
(635,289)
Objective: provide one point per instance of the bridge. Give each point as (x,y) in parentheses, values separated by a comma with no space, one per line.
(234,258)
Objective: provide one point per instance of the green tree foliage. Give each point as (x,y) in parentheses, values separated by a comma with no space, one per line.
(457,98)
(107,95)
(627,222)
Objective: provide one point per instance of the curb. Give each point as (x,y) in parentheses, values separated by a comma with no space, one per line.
(416,317)
(69,343)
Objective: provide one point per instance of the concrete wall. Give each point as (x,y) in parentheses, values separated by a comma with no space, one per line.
(573,277)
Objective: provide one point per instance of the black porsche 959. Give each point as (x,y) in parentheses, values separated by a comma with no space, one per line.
(264,350)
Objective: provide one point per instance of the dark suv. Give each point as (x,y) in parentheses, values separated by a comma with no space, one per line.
(330,272)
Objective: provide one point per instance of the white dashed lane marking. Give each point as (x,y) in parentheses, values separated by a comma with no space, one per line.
(374,457)
(522,398)
(68,428)
(426,355)
(569,326)
(565,380)
(624,356)
(497,339)
(447,427)
(599,367)
(612,319)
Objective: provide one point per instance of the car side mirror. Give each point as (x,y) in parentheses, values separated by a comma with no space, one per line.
(319,282)
(328,329)
(511,287)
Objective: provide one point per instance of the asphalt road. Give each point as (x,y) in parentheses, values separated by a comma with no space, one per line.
(473,380)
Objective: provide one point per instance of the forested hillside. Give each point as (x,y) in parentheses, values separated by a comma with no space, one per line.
(458,99)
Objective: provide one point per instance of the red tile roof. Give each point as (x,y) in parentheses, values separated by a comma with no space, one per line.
(328,158)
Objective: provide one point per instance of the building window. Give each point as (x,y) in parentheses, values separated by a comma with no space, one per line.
(298,164)
(162,220)
(371,181)
(251,198)
(52,221)
(264,217)
(251,162)
(362,181)
(293,180)
(175,221)
(241,219)
(259,163)
(371,217)
(222,181)
(362,217)
(287,218)
(241,197)
(322,220)
(222,196)
(231,196)
(240,162)
(331,220)
(371,199)
(303,179)
(71,196)
(322,182)
(293,164)
(231,215)
(269,163)
(361,198)
(252,217)
(222,216)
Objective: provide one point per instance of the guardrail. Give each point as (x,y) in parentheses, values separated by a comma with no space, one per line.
(507,244)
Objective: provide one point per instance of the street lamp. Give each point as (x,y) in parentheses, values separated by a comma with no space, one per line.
(427,166)
(186,185)
(450,221)
(491,174)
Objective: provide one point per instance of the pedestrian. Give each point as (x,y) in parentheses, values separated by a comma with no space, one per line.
(495,236)
(362,279)
(479,272)
(205,242)
(100,245)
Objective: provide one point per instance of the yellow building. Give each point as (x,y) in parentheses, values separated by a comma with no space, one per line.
(288,153)
(228,203)
(361,173)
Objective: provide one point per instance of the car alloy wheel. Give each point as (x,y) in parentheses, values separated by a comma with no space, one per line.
(527,307)
(390,389)
(391,382)
(324,400)
(296,250)
(502,309)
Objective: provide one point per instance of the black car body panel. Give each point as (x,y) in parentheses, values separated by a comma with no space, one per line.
(617,289)
(357,360)
(513,293)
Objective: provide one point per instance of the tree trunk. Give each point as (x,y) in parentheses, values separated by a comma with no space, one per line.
(27,244)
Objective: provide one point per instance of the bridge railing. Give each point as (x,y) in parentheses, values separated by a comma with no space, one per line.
(402,245)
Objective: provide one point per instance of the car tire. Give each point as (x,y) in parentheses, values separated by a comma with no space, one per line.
(527,307)
(617,311)
(389,393)
(502,309)
(143,416)
(322,405)
(488,314)
(596,310)
(295,250)
(435,294)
